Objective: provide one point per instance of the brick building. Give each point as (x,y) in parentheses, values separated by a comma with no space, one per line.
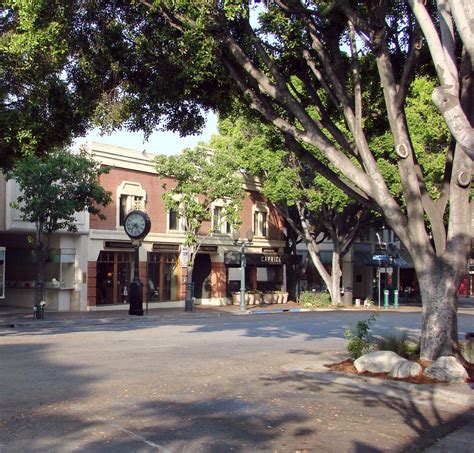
(111,260)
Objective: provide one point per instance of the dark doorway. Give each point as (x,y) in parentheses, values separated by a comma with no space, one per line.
(202,276)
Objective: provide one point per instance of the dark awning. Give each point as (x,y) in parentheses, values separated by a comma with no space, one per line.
(256,259)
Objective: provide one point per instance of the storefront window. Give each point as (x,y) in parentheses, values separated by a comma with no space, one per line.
(163,277)
(269,278)
(21,271)
(114,273)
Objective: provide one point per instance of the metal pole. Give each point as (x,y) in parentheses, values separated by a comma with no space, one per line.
(135,292)
(242,276)
(379,285)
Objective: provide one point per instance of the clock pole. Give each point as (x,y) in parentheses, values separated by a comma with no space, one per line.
(136,286)
(137,225)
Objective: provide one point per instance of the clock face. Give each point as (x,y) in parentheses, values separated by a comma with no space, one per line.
(137,224)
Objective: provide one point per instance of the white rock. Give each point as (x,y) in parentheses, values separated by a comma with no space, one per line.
(377,362)
(447,368)
(405,369)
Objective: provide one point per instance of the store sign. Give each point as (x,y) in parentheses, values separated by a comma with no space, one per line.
(208,249)
(254,259)
(269,249)
(271,259)
(184,256)
(164,247)
(379,257)
(118,245)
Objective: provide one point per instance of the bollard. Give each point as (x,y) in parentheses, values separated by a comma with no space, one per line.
(395,299)
(405,295)
(385,299)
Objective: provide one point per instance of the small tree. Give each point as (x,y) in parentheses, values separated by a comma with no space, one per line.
(200,177)
(53,189)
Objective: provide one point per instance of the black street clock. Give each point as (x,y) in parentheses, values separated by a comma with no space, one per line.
(137,224)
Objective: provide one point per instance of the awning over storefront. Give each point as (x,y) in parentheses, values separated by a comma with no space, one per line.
(255,259)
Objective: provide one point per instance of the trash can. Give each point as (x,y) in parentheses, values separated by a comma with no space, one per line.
(347,297)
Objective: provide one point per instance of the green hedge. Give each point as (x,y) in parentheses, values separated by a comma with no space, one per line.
(310,299)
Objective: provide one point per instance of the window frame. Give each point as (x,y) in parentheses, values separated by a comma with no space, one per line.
(223,226)
(260,221)
(134,191)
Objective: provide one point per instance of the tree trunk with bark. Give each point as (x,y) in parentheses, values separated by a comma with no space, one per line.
(439,319)
(336,276)
(41,256)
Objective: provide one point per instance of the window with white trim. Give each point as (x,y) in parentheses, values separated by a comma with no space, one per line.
(260,221)
(175,221)
(130,196)
(219,222)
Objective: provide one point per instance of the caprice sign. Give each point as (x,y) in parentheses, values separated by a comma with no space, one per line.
(271,259)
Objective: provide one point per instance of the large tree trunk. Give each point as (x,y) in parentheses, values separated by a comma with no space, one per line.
(439,319)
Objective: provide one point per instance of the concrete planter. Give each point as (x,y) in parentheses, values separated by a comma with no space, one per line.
(275,298)
(250,298)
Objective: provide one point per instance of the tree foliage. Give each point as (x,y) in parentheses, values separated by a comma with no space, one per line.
(314,70)
(200,178)
(313,207)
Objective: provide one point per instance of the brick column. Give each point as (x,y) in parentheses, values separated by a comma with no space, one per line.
(91,284)
(218,280)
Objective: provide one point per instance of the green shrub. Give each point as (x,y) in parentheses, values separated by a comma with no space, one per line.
(359,338)
(309,299)
(401,343)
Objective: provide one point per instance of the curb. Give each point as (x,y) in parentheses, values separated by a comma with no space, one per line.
(105,321)
(422,393)
(275,310)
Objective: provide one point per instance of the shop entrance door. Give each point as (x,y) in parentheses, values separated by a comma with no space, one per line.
(114,273)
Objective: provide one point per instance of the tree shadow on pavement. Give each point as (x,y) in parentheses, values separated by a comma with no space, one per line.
(36,394)
(417,421)
(215,425)
(53,404)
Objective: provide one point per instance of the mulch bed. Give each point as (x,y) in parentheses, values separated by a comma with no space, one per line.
(347,366)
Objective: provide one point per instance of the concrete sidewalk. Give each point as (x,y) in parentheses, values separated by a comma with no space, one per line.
(15,316)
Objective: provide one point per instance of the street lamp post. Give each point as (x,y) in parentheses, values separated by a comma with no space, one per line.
(136,293)
(243,243)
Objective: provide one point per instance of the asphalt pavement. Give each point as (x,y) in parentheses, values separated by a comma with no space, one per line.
(461,438)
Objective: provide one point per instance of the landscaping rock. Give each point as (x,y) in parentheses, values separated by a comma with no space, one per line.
(405,369)
(447,368)
(377,362)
